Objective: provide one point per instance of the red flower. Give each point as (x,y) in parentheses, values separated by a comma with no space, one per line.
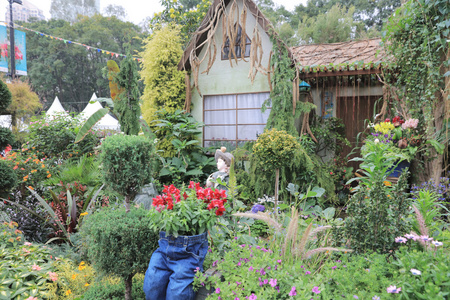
(387,120)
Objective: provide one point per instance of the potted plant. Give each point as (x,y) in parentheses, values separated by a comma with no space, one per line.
(398,139)
(183,218)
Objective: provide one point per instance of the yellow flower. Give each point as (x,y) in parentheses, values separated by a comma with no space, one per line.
(172,10)
(172,16)
(84,214)
(74,276)
(43,166)
(68,292)
(87,284)
(18,238)
(387,183)
(82,266)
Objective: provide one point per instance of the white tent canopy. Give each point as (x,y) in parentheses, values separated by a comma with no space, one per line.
(107,122)
(56,109)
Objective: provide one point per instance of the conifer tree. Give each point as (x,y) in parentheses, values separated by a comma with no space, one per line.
(126,104)
(164,84)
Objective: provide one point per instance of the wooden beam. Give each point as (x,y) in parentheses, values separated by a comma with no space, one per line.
(340,73)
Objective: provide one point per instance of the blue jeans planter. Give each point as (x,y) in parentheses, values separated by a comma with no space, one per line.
(173,265)
(399,168)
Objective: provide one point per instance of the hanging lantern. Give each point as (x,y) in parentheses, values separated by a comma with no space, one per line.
(304,87)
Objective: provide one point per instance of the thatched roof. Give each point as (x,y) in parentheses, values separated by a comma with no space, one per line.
(346,56)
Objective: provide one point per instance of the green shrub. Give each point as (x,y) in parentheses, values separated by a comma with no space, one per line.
(5,96)
(365,276)
(8,178)
(25,268)
(55,138)
(6,138)
(119,243)
(126,164)
(111,289)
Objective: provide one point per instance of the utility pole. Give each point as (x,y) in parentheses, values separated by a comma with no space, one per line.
(11,37)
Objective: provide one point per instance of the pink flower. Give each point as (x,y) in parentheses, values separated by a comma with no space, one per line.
(293,291)
(410,236)
(217,290)
(316,290)
(393,289)
(53,276)
(27,244)
(400,239)
(35,267)
(252,297)
(273,282)
(410,123)
(32,298)
(426,238)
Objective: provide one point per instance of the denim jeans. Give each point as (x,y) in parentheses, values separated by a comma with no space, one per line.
(173,265)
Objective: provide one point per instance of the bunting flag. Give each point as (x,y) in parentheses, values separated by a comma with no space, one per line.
(112,54)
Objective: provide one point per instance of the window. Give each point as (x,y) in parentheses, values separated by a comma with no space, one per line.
(237,48)
(231,120)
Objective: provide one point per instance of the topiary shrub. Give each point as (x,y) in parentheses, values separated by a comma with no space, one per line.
(126,164)
(119,243)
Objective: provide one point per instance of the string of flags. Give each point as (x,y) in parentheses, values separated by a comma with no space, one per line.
(79,44)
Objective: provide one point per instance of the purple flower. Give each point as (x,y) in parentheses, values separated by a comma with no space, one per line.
(375,297)
(215,263)
(436,243)
(355,297)
(237,298)
(238,283)
(316,290)
(217,290)
(393,289)
(334,267)
(307,272)
(279,261)
(293,291)
(266,281)
(252,297)
(425,238)
(239,264)
(273,282)
(250,269)
(262,272)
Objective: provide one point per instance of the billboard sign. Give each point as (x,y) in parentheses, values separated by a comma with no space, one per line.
(20,52)
(3,49)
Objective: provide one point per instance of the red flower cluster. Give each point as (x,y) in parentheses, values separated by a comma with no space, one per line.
(170,193)
(397,121)
(213,199)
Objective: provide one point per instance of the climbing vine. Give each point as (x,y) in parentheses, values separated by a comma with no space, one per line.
(417,38)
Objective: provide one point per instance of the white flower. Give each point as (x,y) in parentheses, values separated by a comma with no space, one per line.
(376,141)
(415,272)
(437,244)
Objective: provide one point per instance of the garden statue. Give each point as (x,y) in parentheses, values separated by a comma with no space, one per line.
(224,161)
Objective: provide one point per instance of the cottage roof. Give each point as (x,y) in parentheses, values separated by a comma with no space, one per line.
(198,39)
(350,56)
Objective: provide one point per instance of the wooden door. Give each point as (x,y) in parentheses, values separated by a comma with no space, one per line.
(354,112)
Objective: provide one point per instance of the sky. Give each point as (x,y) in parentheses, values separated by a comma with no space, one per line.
(137,10)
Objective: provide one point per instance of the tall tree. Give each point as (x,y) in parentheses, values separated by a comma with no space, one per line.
(164,84)
(371,13)
(73,72)
(126,104)
(115,11)
(24,103)
(70,9)
(336,25)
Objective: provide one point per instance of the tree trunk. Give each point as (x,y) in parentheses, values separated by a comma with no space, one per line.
(277,181)
(128,286)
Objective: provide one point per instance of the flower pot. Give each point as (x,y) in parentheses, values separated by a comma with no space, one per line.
(399,168)
(173,266)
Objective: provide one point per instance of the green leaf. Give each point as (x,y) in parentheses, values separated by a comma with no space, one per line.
(94,119)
